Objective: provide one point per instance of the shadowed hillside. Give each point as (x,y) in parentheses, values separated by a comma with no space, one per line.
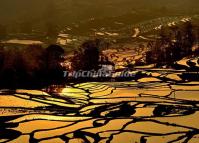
(63,13)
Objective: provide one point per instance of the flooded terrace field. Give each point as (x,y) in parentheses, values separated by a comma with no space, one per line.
(147,110)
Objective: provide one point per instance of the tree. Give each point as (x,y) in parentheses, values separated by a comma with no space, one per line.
(2,55)
(188,38)
(54,70)
(30,66)
(87,57)
(8,70)
(53,55)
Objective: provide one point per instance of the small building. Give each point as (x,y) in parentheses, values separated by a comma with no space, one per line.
(106,65)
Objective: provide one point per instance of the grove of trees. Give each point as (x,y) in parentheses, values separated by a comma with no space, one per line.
(173,44)
(87,56)
(30,67)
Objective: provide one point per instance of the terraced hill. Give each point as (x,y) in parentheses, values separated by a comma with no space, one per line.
(157,108)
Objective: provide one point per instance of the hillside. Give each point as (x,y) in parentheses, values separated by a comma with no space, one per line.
(38,20)
(69,11)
